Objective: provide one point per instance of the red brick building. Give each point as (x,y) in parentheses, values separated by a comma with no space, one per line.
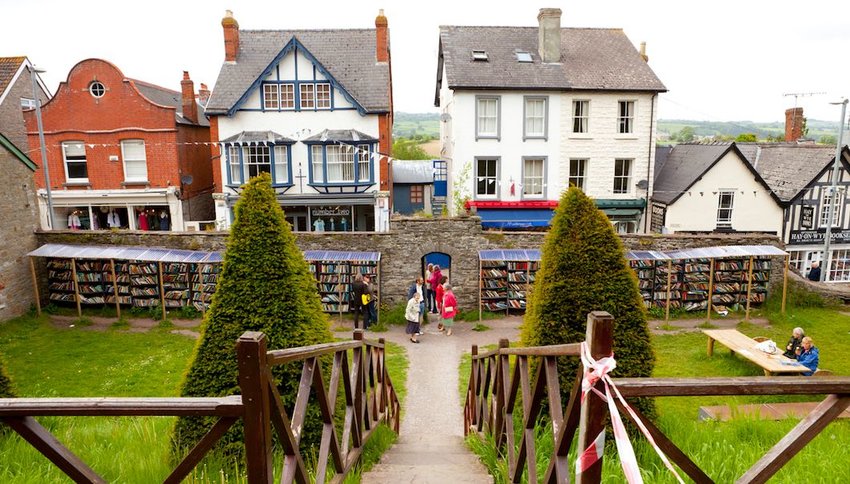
(123,153)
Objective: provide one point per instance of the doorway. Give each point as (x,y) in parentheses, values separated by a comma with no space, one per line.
(445,262)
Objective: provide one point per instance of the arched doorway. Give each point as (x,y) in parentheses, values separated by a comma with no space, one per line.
(439,259)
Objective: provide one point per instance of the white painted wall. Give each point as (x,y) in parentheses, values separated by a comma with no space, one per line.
(753,208)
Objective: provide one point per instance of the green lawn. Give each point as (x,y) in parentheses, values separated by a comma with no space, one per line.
(725,450)
(44,361)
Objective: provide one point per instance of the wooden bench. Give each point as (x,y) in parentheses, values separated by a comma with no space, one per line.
(775,364)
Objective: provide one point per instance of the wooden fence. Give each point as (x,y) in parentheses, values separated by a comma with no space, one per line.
(497,383)
(360,366)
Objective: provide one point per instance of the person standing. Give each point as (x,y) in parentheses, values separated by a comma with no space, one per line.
(814,272)
(411,314)
(372,303)
(439,292)
(358,288)
(435,280)
(429,292)
(418,287)
(449,310)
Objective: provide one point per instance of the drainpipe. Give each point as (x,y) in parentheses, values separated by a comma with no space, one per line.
(649,163)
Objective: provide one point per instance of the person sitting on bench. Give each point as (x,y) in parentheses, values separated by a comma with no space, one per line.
(794,343)
(807,355)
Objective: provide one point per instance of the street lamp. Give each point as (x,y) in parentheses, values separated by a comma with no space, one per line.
(836,166)
(44,163)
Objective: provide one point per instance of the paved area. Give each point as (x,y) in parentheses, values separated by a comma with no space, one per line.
(430,448)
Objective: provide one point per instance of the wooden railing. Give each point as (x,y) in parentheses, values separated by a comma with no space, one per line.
(496,384)
(369,399)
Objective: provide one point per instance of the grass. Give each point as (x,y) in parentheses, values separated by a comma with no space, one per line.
(45,361)
(725,450)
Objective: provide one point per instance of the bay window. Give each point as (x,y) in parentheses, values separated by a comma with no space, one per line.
(247,161)
(341,163)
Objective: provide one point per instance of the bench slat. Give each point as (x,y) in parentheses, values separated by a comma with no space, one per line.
(108,406)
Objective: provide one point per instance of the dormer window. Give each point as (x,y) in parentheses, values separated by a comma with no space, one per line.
(522,56)
(479,55)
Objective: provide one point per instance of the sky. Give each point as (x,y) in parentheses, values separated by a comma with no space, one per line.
(721,61)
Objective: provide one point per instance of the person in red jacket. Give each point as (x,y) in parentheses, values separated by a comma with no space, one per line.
(449,310)
(438,296)
(435,281)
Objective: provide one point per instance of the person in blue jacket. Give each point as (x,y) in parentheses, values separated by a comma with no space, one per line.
(808,356)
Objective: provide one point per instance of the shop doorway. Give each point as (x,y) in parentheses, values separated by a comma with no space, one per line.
(445,262)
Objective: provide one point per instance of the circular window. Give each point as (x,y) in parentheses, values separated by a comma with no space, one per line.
(96,89)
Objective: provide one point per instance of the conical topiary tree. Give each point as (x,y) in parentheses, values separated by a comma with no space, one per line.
(583,269)
(264,285)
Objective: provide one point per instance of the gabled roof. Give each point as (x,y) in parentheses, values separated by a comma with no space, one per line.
(343,135)
(11,69)
(167,97)
(16,152)
(686,163)
(786,167)
(258,137)
(348,56)
(591,59)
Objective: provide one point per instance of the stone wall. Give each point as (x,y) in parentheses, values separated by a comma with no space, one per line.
(18,221)
(411,239)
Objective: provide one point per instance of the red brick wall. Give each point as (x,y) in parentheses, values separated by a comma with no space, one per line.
(122,113)
(215,154)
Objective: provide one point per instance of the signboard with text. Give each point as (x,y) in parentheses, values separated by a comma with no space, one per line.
(803,237)
(807,217)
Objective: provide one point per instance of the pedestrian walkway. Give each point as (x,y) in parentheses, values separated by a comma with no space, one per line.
(430,448)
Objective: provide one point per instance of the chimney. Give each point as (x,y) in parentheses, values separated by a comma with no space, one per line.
(549,34)
(382,47)
(190,108)
(643,52)
(793,124)
(203,94)
(231,36)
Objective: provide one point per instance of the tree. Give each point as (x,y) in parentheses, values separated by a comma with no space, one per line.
(685,135)
(828,139)
(746,138)
(584,269)
(408,149)
(264,285)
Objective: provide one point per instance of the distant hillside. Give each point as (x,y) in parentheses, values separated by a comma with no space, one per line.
(427,125)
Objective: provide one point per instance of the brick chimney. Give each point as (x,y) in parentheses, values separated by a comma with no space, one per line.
(190,108)
(203,94)
(793,124)
(231,36)
(382,47)
(549,34)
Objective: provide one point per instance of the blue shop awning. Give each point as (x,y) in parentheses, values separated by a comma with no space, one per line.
(515,219)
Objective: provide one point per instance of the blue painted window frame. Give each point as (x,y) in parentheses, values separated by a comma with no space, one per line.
(355,183)
(234,184)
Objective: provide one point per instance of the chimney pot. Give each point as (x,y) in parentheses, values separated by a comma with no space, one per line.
(203,94)
(190,107)
(793,124)
(382,45)
(231,36)
(549,34)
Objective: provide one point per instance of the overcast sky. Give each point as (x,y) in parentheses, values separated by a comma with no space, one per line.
(722,60)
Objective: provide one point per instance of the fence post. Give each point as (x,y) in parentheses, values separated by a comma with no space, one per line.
(502,379)
(600,338)
(471,412)
(251,357)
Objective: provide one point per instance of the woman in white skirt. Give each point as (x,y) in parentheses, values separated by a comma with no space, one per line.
(411,314)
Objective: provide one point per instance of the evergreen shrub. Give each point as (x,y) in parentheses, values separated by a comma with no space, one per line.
(265,285)
(583,268)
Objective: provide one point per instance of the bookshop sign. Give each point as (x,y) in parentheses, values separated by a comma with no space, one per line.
(808,237)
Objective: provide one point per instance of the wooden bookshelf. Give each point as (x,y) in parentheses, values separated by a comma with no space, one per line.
(334,273)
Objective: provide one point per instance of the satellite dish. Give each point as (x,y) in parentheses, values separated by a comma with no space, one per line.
(186,179)
(445,117)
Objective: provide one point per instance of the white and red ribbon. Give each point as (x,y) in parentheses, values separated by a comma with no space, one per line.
(594,371)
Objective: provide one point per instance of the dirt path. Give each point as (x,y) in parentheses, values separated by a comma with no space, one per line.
(186,327)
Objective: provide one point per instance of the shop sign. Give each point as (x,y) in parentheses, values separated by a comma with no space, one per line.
(807,217)
(330,211)
(803,237)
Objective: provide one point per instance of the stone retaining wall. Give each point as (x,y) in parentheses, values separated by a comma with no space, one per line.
(410,239)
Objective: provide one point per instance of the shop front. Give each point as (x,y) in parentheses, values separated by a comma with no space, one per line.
(146,210)
(806,247)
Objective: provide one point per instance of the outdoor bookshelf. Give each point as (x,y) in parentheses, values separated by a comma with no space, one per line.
(505,279)
(334,272)
(128,276)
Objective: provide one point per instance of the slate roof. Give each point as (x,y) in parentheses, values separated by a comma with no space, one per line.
(8,68)
(684,165)
(345,135)
(168,97)
(591,59)
(258,136)
(787,168)
(347,54)
(413,171)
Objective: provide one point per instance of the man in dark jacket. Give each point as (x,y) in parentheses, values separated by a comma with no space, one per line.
(814,272)
(356,303)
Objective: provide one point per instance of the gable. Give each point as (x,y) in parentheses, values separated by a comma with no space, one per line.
(295,74)
(346,56)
